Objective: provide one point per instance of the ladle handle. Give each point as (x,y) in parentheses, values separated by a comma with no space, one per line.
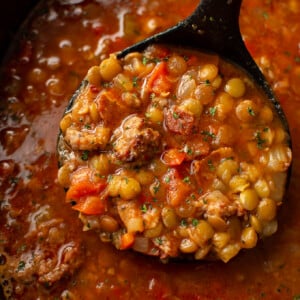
(214,25)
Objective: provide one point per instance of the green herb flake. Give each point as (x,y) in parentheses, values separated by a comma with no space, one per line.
(156,60)
(159,241)
(175,115)
(251,111)
(156,188)
(265,15)
(212,111)
(210,165)
(22,248)
(87,126)
(260,142)
(195,222)
(187,150)
(296,297)
(207,135)
(207,82)
(183,222)
(297,59)
(135,81)
(167,179)
(21,265)
(144,208)
(85,155)
(145,60)
(186,179)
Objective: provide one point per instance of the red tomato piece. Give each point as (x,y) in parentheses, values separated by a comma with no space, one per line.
(91,205)
(177,189)
(83,189)
(127,240)
(173,157)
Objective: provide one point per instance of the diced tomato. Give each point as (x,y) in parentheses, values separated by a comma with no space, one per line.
(83,189)
(177,189)
(127,240)
(173,157)
(91,205)
(157,81)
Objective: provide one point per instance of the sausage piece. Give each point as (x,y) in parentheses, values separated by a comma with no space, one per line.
(134,141)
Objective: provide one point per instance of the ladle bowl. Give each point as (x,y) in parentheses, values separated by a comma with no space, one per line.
(212,28)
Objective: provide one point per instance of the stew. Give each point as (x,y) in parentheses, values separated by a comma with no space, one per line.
(44,252)
(194,163)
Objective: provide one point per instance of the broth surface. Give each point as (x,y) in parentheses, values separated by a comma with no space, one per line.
(43,252)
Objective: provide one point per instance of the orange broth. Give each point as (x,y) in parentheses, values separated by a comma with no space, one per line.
(43,252)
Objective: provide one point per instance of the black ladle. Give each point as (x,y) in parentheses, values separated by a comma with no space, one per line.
(213,27)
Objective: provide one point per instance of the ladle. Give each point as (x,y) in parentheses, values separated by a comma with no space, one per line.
(212,27)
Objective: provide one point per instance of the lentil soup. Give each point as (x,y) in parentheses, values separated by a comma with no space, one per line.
(44,252)
(195,162)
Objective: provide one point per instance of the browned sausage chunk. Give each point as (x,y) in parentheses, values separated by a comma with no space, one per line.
(135,141)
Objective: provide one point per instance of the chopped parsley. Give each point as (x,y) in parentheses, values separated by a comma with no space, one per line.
(156,187)
(260,142)
(265,15)
(187,150)
(212,111)
(207,135)
(195,222)
(210,165)
(21,265)
(167,179)
(145,60)
(22,248)
(159,241)
(183,222)
(251,111)
(135,81)
(186,179)
(144,208)
(175,115)
(87,126)
(85,155)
